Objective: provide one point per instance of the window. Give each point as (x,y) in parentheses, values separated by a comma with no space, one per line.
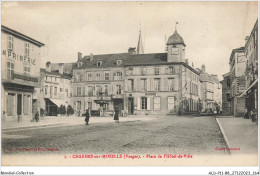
(106,76)
(51,91)
(99,90)
(130,71)
(106,106)
(156,84)
(10,43)
(118,89)
(90,91)
(169,70)
(130,84)
(26,51)
(118,76)
(78,91)
(67,92)
(78,105)
(78,77)
(143,85)
(99,63)
(143,71)
(46,89)
(171,84)
(106,90)
(89,76)
(170,103)
(10,70)
(118,62)
(156,70)
(157,103)
(61,90)
(98,77)
(55,90)
(144,103)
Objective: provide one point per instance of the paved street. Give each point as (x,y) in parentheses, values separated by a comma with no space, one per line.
(165,135)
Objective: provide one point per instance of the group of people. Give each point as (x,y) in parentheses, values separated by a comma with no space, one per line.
(250,114)
(115,115)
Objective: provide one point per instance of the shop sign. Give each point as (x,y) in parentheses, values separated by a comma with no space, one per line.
(15,56)
(24,77)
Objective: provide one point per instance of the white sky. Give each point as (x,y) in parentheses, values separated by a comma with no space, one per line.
(209,29)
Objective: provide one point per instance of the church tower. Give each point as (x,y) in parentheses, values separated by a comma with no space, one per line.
(175,48)
(140,48)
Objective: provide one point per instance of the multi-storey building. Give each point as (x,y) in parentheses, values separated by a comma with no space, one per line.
(138,83)
(237,64)
(99,75)
(226,98)
(211,90)
(56,88)
(251,71)
(20,74)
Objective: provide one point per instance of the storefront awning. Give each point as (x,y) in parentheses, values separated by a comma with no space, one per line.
(58,102)
(254,83)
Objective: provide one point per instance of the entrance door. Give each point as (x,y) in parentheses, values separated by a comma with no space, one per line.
(130,106)
(19,104)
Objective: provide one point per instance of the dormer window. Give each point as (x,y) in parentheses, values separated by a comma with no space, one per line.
(79,64)
(118,62)
(99,63)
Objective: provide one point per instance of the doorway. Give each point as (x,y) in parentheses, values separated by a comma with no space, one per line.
(19,104)
(131,106)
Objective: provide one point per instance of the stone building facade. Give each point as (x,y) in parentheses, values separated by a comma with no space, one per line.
(226,98)
(20,74)
(138,83)
(251,71)
(237,64)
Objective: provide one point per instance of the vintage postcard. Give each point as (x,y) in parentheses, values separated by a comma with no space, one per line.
(129,83)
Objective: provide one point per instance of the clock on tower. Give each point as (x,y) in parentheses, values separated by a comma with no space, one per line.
(175,51)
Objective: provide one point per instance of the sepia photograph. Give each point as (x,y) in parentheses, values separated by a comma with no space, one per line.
(129,83)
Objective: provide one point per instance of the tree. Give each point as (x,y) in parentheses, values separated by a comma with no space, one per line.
(70,110)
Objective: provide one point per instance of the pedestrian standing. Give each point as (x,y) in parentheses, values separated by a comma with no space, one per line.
(246,115)
(116,116)
(87,116)
(37,116)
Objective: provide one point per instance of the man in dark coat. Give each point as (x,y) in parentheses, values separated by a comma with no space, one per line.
(116,116)
(87,117)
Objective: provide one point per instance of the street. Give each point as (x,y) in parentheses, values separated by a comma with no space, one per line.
(162,135)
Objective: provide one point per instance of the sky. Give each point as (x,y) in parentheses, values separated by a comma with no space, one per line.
(210,29)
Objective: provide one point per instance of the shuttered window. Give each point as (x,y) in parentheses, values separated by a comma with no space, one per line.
(157,103)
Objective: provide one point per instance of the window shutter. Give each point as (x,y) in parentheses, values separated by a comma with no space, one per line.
(148,104)
(161,84)
(126,85)
(86,90)
(135,84)
(138,103)
(152,84)
(83,91)
(94,90)
(176,84)
(138,84)
(148,85)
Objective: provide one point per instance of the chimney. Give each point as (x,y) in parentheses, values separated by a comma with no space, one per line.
(246,39)
(48,66)
(91,57)
(61,68)
(187,61)
(203,68)
(79,55)
(131,50)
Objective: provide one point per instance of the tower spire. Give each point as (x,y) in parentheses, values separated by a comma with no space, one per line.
(176,22)
(140,48)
